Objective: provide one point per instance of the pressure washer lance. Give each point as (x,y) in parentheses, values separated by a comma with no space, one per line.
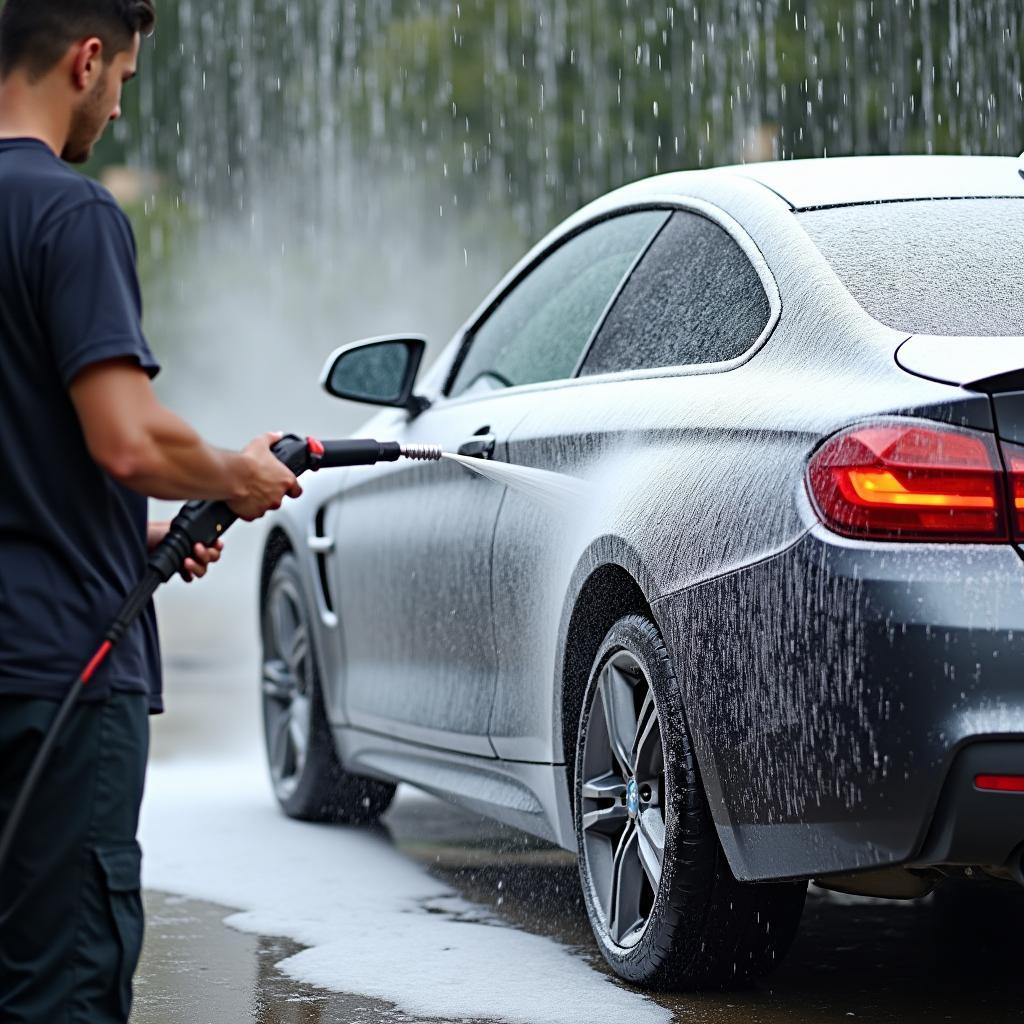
(199,522)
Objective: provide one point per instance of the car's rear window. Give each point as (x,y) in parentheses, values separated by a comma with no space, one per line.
(694,298)
(939,266)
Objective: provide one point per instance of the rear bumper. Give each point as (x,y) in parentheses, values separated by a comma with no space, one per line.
(831,689)
(972,825)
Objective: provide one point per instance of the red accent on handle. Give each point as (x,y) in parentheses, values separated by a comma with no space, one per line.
(315,447)
(97,659)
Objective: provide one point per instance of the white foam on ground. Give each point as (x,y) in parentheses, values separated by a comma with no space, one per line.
(211,831)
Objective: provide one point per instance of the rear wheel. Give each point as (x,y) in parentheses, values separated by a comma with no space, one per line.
(309,781)
(664,906)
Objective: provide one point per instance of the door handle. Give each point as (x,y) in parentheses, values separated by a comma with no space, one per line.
(481,447)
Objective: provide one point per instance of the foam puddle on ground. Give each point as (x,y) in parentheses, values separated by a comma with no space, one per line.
(555,490)
(372,921)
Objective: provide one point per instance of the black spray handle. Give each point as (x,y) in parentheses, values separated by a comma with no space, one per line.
(205,522)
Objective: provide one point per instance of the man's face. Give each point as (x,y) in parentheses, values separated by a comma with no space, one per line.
(100,105)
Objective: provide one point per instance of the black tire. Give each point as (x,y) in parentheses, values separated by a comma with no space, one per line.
(309,782)
(678,919)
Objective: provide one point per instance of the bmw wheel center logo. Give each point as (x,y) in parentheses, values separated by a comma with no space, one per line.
(632,797)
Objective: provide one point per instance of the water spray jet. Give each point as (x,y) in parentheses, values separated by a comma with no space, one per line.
(556,490)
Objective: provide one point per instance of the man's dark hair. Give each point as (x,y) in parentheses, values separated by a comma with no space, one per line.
(35,34)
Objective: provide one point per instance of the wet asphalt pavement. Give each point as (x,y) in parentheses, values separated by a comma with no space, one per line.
(957,956)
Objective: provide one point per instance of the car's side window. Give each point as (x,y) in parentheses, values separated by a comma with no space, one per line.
(540,329)
(694,298)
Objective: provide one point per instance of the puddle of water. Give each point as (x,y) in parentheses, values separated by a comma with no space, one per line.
(196,970)
(532,884)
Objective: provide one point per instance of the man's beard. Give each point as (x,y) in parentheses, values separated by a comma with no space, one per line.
(87,125)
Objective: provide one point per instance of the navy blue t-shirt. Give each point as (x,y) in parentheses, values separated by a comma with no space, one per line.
(72,539)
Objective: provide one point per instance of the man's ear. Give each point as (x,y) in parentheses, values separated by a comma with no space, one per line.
(86,63)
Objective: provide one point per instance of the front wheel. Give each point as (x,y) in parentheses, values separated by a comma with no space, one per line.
(665,908)
(309,781)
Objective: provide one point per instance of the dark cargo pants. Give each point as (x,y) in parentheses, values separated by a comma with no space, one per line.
(70,904)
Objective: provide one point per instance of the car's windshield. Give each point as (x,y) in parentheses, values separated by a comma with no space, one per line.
(941,266)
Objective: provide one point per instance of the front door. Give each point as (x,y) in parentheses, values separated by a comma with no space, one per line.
(413,579)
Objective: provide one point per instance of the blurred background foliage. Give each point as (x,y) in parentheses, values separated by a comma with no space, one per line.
(543,104)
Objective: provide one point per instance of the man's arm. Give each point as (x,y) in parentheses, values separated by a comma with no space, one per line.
(148,448)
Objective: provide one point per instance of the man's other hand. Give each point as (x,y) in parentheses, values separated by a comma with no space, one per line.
(196,567)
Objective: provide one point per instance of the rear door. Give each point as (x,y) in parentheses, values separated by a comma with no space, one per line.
(694,303)
(414,541)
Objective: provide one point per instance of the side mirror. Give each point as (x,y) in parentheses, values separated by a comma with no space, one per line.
(380,371)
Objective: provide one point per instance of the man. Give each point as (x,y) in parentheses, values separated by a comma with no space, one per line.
(82,441)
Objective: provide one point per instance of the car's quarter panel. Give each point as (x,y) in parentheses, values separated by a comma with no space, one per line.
(831,686)
(689,477)
(411,572)
(697,492)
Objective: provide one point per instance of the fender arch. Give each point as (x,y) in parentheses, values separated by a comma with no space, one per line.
(610,581)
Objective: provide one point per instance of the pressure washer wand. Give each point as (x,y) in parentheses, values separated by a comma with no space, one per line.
(198,522)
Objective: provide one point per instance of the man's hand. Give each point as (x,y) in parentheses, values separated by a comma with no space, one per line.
(196,567)
(268,480)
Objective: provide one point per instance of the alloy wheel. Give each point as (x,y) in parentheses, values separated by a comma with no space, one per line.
(287,687)
(622,811)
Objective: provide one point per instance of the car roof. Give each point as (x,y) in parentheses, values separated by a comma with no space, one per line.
(843,181)
(825,182)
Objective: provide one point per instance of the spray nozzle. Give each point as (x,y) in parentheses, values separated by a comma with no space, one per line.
(422,452)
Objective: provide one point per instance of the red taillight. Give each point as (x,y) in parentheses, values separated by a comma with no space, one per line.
(1000,783)
(911,481)
(1015,463)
